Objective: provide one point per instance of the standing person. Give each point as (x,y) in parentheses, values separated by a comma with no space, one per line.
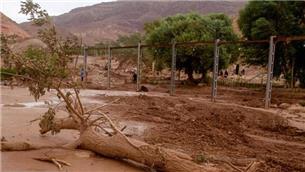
(243,72)
(237,69)
(226,74)
(82,74)
(221,73)
(134,77)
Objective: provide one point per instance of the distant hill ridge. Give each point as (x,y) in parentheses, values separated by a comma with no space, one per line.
(107,20)
(9,27)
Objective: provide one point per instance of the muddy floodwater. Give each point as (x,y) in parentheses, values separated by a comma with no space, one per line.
(18,108)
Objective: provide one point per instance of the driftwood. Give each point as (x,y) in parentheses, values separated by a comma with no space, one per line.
(120,147)
(58,162)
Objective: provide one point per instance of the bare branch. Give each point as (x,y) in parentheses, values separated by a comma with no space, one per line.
(79,101)
(69,105)
(16,75)
(107,132)
(122,129)
(97,119)
(110,122)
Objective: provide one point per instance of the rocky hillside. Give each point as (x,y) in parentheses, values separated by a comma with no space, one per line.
(108,20)
(9,27)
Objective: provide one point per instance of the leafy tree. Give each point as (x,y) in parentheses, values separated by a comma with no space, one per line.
(126,40)
(6,53)
(261,19)
(38,68)
(191,27)
(124,55)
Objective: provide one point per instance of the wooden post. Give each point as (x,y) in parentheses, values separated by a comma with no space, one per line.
(173,69)
(153,67)
(85,62)
(109,68)
(270,71)
(215,70)
(139,67)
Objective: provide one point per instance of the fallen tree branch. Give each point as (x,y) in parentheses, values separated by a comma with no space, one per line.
(60,123)
(120,147)
(122,129)
(58,162)
(107,132)
(252,167)
(25,146)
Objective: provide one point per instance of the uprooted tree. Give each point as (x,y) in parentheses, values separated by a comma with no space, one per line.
(42,70)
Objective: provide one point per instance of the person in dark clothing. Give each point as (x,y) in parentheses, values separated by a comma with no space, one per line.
(243,72)
(134,77)
(221,73)
(226,74)
(237,69)
(82,74)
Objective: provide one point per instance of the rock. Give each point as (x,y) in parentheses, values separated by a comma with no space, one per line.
(143,89)
(284,105)
(84,153)
(178,105)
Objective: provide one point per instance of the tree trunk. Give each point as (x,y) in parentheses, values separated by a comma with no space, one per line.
(120,147)
(204,76)
(190,76)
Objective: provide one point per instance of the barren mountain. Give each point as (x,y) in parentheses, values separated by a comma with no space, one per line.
(33,29)
(106,21)
(9,27)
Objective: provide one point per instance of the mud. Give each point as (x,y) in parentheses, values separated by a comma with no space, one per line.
(16,126)
(231,130)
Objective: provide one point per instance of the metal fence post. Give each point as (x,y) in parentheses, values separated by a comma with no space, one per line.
(139,67)
(85,62)
(215,70)
(270,71)
(173,69)
(109,67)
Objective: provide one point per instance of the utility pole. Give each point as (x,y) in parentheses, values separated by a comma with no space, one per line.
(139,67)
(173,69)
(109,67)
(215,70)
(270,71)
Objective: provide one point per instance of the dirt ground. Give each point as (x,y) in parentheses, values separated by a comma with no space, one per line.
(215,133)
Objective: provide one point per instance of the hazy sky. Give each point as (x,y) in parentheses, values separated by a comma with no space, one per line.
(11,8)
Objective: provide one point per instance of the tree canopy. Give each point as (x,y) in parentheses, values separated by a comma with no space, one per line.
(41,68)
(191,27)
(261,19)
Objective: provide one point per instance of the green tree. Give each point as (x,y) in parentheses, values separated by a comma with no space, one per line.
(124,54)
(126,40)
(191,27)
(260,20)
(6,53)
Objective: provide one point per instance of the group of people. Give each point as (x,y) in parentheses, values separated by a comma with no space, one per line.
(225,73)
